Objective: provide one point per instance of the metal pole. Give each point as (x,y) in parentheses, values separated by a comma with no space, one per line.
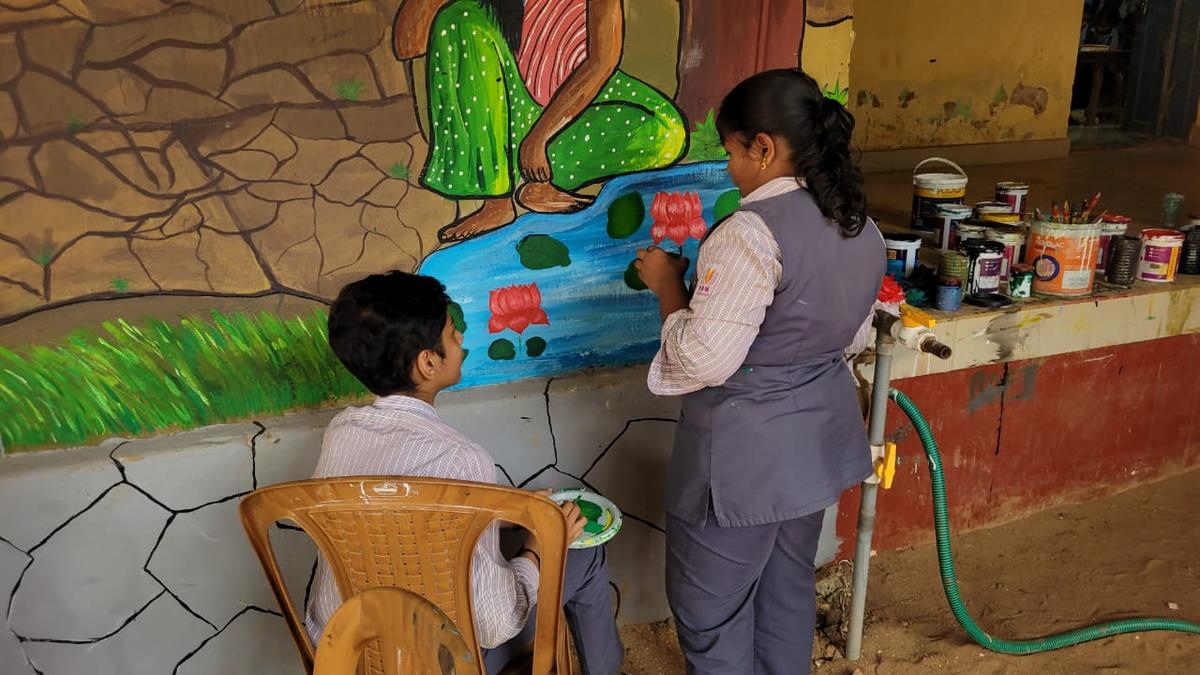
(885,348)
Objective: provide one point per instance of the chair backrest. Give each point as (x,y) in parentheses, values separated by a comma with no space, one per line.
(398,632)
(412,533)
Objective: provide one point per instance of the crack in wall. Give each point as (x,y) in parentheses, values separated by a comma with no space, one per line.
(204,643)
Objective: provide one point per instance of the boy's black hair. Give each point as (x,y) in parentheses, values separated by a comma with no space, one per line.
(379,325)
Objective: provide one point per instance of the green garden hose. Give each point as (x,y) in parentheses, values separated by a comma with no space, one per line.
(950,583)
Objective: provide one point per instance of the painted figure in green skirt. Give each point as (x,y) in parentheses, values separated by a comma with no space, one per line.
(526,103)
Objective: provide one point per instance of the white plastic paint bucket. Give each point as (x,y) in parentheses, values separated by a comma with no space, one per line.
(966,231)
(950,216)
(1014,194)
(932,189)
(1159,259)
(902,251)
(1013,239)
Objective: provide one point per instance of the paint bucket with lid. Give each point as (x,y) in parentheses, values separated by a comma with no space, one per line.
(984,259)
(1013,239)
(968,230)
(1160,255)
(1063,256)
(1189,262)
(1109,231)
(933,189)
(902,251)
(1014,194)
(991,208)
(950,216)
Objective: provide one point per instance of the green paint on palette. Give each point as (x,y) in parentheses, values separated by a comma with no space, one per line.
(542,252)
(625,215)
(727,203)
(592,513)
(633,279)
(502,350)
(535,347)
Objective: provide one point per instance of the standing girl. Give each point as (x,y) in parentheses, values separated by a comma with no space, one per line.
(770,433)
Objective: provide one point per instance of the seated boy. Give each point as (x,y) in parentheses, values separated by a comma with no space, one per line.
(393,332)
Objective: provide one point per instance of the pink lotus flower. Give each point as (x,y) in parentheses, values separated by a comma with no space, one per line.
(677,217)
(516,307)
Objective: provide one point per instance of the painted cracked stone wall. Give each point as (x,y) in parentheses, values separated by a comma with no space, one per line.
(169,584)
(185,186)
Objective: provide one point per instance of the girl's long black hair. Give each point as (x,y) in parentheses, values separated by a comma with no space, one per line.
(788,104)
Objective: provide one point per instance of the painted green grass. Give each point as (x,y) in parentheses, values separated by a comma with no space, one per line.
(155,376)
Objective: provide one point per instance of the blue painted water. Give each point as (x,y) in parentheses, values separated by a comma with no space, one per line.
(595,319)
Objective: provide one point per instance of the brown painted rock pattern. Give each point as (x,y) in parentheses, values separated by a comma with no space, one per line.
(223,147)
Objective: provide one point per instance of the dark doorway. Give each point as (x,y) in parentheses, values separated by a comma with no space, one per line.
(1138,72)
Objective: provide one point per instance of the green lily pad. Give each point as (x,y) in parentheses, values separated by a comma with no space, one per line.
(625,216)
(502,350)
(633,279)
(456,317)
(727,203)
(535,347)
(541,252)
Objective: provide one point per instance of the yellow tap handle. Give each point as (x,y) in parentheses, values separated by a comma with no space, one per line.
(885,468)
(913,317)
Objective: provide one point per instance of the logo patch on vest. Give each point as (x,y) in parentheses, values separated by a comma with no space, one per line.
(704,284)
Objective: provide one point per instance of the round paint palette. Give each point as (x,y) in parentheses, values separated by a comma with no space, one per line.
(603,517)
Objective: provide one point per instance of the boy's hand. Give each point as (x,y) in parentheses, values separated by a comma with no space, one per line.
(575,519)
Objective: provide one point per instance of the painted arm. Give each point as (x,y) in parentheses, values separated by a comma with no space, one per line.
(605,43)
(410,31)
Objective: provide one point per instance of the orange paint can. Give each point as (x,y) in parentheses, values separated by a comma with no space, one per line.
(1063,256)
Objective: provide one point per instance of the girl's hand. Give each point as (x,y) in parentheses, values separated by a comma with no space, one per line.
(660,271)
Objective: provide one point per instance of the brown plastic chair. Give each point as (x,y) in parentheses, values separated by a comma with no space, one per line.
(412,533)
(413,635)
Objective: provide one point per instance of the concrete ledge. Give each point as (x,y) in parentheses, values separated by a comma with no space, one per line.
(1042,328)
(979,153)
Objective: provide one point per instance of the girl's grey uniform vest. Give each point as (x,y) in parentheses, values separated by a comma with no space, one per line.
(784,437)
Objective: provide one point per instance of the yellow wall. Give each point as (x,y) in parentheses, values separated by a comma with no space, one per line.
(949,72)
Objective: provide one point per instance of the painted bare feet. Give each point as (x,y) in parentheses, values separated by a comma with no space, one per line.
(495,214)
(545,198)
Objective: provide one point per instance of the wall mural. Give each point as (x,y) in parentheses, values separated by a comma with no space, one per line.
(167,166)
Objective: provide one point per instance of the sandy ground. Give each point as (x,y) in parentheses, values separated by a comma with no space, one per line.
(1136,553)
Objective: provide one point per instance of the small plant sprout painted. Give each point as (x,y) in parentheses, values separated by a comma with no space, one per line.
(398,171)
(350,89)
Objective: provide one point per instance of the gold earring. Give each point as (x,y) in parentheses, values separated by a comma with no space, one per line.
(762,166)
